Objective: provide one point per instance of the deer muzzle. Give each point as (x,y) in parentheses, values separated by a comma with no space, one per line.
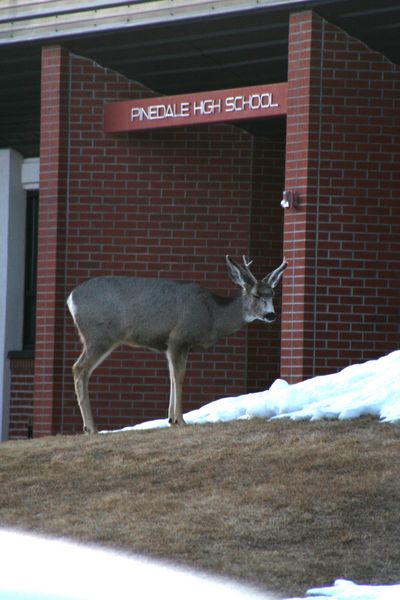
(270,317)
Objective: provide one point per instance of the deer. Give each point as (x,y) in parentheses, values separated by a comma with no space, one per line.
(174,317)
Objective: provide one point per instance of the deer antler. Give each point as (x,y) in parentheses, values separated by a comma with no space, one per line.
(246,264)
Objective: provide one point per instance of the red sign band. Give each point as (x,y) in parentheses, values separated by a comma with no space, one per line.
(194,109)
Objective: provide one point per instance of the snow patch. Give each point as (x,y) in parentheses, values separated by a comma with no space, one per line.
(347,590)
(370,388)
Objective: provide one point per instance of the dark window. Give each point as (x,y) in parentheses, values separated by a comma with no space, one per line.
(32,219)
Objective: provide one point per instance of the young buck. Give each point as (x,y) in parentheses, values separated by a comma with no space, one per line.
(159,314)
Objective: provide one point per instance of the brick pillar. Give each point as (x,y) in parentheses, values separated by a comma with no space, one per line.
(301,176)
(341,292)
(52,221)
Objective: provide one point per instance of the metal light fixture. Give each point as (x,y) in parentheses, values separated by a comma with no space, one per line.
(290,199)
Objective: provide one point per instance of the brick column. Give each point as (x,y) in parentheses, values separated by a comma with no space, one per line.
(340,295)
(52,221)
(302,176)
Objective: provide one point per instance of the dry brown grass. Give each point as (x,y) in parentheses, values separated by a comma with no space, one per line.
(288,505)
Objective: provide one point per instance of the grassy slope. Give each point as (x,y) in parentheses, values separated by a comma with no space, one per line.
(288,505)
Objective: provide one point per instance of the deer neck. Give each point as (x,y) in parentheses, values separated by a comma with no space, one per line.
(230,316)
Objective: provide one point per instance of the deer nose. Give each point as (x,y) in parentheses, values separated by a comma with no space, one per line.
(270,317)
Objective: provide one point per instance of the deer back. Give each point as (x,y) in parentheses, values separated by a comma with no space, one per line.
(146,312)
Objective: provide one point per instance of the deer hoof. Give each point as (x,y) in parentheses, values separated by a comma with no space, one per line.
(176,421)
(88,430)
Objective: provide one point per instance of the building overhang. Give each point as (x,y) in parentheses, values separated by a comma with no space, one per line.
(170,46)
(33,20)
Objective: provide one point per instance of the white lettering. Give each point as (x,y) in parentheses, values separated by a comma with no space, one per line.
(218,105)
(229,104)
(185,109)
(160,111)
(206,107)
(135,113)
(153,112)
(267,101)
(252,102)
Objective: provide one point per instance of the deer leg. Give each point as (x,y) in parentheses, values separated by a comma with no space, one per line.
(171,410)
(177,360)
(82,370)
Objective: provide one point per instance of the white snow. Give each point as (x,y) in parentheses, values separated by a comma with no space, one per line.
(36,567)
(347,590)
(370,388)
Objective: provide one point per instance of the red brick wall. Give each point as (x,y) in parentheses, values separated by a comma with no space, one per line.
(343,154)
(21,400)
(168,203)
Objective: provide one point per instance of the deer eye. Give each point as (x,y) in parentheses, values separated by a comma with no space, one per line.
(257,296)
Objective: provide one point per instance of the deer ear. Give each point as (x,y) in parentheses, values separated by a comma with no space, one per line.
(240,275)
(274,278)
